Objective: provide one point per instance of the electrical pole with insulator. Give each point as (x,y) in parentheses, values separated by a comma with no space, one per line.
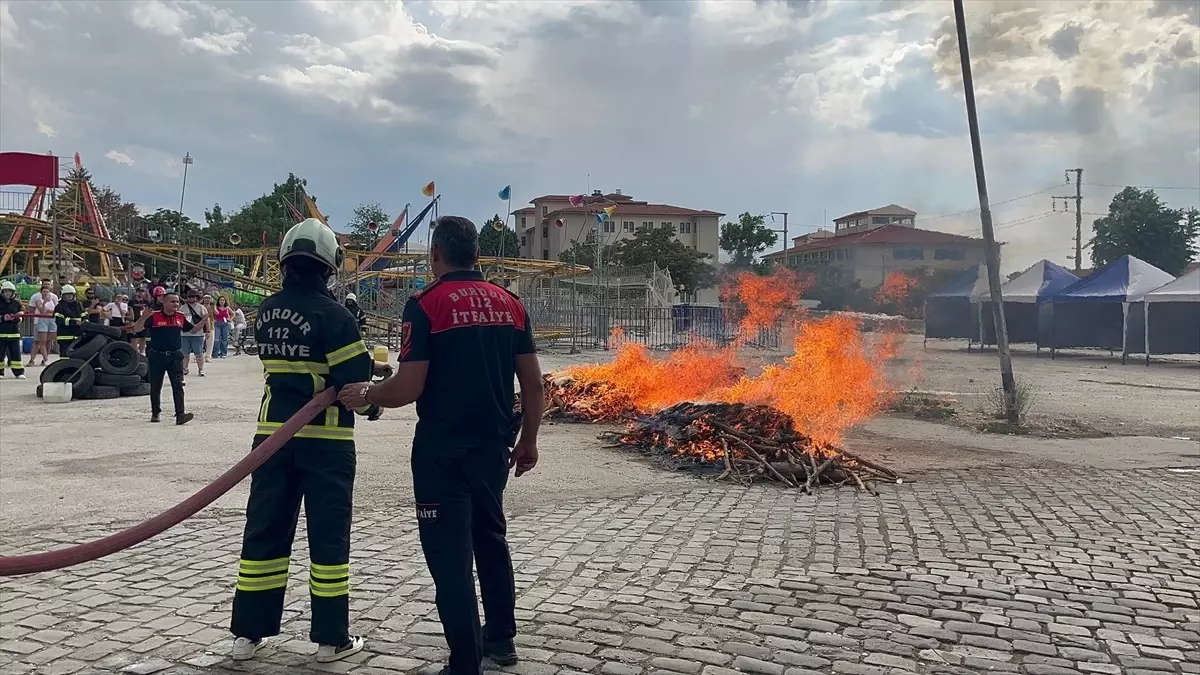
(992,250)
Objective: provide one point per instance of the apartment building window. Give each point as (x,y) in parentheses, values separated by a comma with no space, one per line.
(545,210)
(879,220)
(627,226)
(647,225)
(522,240)
(908,253)
(685,227)
(522,221)
(545,254)
(545,232)
(949,254)
(610,226)
(666,224)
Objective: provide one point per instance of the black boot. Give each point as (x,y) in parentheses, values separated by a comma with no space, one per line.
(500,652)
(154,417)
(183,418)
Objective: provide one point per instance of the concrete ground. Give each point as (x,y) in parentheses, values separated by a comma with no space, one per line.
(1039,556)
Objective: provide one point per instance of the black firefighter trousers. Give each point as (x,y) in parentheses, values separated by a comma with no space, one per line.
(460,515)
(10,351)
(321,473)
(159,363)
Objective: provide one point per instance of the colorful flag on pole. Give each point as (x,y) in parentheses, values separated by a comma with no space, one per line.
(576,200)
(505,193)
(601,217)
(609,210)
(428,190)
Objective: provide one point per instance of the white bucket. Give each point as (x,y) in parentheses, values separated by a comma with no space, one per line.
(57,392)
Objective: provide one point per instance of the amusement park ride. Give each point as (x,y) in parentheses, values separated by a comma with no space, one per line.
(82,244)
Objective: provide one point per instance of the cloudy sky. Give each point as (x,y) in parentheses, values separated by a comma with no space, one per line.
(815,108)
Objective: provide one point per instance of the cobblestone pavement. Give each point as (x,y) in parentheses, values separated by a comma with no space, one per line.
(1019,571)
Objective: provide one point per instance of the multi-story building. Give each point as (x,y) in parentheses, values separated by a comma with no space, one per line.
(549,226)
(868,245)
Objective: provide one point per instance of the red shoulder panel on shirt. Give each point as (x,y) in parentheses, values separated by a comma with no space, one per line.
(471,303)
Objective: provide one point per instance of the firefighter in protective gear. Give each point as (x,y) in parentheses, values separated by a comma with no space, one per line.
(69,314)
(307,342)
(10,330)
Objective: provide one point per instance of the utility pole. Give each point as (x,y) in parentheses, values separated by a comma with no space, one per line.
(187,161)
(1078,216)
(785,234)
(992,251)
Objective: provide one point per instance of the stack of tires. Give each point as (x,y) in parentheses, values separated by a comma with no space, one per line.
(99,365)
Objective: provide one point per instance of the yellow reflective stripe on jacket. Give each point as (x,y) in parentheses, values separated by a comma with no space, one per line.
(329,581)
(10,336)
(310,431)
(294,367)
(346,353)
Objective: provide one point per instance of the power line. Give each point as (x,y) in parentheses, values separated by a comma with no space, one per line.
(1147,187)
(1006,201)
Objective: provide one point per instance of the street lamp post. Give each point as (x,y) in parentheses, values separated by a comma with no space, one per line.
(785,233)
(187,161)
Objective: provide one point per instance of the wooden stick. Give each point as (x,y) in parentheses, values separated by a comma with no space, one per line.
(765,464)
(815,475)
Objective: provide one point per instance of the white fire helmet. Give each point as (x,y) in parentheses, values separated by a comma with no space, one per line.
(351,296)
(7,285)
(68,290)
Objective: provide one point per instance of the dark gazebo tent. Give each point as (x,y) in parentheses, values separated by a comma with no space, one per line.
(1172,317)
(1102,311)
(1022,295)
(952,311)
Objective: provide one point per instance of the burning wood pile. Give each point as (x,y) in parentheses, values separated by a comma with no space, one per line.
(728,441)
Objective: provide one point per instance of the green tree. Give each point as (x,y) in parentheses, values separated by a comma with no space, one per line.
(689,270)
(115,210)
(215,217)
(168,220)
(490,239)
(1140,224)
(362,216)
(584,253)
(271,214)
(745,239)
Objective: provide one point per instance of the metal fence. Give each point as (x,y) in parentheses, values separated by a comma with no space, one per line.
(663,328)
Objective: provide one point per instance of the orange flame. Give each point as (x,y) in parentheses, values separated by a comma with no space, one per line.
(895,288)
(833,380)
(766,299)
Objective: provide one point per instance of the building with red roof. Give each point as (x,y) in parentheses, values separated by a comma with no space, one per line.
(866,246)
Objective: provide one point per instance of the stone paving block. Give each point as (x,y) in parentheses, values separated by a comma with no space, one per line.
(1006,571)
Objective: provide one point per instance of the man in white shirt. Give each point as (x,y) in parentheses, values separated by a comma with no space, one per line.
(193,340)
(45,330)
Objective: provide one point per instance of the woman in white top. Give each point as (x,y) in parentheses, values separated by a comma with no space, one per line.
(118,310)
(45,329)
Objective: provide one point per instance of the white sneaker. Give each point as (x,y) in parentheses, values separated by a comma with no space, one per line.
(20,377)
(245,648)
(330,653)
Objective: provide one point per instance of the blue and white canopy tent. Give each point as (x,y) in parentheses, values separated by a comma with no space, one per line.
(952,311)
(1095,312)
(1022,294)
(1172,317)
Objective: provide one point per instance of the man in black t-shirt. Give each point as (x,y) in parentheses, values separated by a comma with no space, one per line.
(164,329)
(463,339)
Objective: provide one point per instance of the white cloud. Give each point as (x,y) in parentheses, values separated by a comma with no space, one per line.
(731,105)
(46,130)
(119,157)
(224,43)
(160,17)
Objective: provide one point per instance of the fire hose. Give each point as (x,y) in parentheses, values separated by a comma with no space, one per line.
(92,550)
